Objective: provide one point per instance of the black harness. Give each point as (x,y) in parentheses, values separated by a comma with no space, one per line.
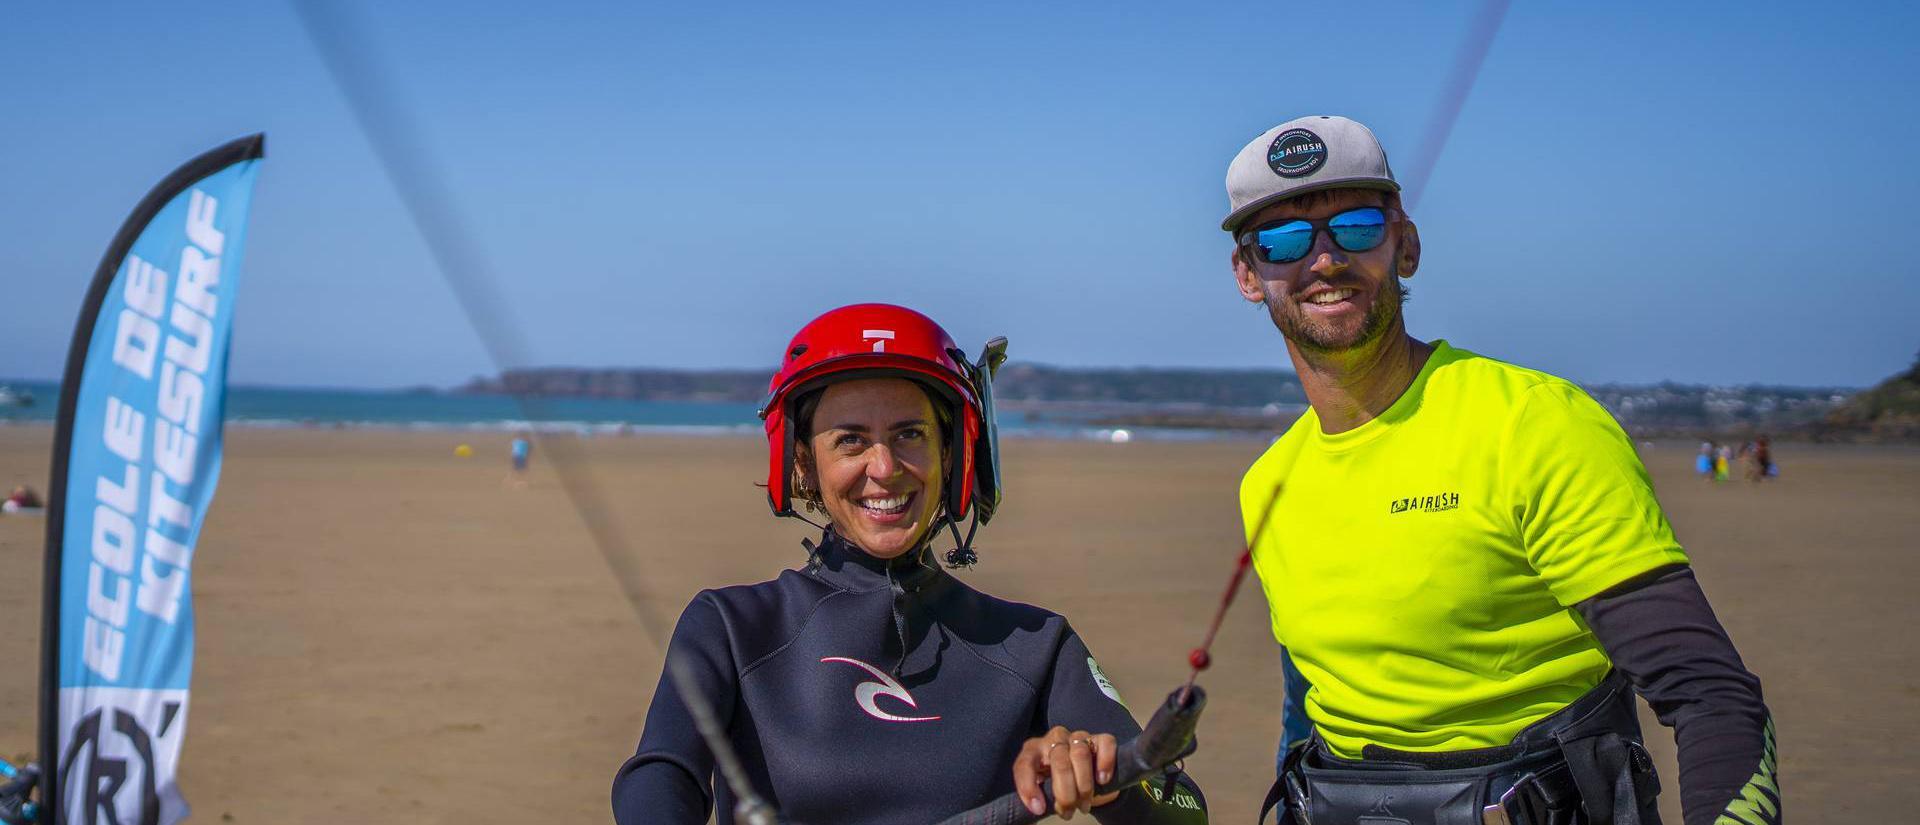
(1584,765)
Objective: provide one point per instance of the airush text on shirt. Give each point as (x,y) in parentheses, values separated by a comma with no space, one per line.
(1430,504)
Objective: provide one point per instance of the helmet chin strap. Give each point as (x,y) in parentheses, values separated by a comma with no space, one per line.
(817,525)
(962,554)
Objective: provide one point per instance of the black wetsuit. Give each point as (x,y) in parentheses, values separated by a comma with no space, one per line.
(836,727)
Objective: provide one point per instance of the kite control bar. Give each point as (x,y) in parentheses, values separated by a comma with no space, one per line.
(14,807)
(1167,739)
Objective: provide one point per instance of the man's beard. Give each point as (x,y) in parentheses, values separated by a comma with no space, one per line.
(1320,337)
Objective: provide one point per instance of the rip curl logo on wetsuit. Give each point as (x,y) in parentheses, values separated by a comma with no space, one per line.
(1296,153)
(883,685)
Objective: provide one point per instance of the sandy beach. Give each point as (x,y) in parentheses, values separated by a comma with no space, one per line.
(391,633)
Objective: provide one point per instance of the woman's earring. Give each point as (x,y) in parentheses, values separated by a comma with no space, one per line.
(808,496)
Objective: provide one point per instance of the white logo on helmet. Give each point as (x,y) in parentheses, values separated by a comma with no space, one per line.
(864,693)
(879,337)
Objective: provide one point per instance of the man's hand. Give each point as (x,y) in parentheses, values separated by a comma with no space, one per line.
(1076,760)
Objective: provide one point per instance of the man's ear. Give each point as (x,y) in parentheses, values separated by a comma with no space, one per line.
(1244,277)
(1408,255)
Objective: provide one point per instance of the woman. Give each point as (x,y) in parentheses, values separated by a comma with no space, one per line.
(871,686)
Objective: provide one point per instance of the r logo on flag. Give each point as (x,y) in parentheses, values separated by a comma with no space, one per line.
(95,772)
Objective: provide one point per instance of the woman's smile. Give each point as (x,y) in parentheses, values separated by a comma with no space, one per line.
(886,508)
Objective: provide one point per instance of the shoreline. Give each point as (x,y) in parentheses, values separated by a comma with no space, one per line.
(1115,431)
(1118,434)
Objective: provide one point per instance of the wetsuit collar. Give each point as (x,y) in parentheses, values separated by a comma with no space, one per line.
(843,564)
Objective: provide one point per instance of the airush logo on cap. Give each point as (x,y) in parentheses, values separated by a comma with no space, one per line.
(1297,153)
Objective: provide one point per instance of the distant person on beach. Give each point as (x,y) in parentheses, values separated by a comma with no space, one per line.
(1762,460)
(22,498)
(522,448)
(1703,463)
(1723,462)
(870,685)
(1467,564)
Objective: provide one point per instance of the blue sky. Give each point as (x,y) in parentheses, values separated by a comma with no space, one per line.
(1634,192)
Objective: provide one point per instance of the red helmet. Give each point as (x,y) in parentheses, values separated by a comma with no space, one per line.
(883,340)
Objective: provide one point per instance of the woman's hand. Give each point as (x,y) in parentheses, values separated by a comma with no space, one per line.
(1076,760)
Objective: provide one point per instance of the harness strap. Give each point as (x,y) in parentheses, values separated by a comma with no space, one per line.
(1287,783)
(1613,775)
(1273,797)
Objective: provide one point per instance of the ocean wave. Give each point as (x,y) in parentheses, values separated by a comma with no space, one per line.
(1054,431)
(577,428)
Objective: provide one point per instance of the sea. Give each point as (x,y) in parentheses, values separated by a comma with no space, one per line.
(427,410)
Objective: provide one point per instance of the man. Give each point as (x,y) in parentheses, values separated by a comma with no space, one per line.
(1466,561)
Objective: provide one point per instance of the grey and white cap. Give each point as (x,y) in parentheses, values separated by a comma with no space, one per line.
(1304,155)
